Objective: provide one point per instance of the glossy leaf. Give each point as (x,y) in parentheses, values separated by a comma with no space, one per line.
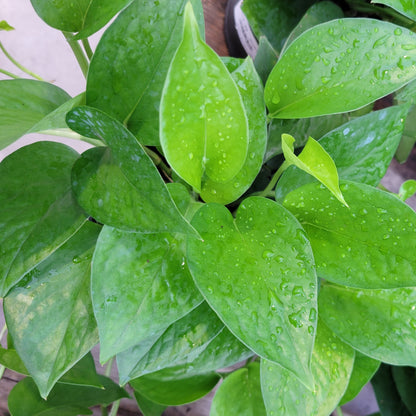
(181,343)
(315,161)
(251,91)
(362,149)
(405,7)
(147,407)
(340,69)
(369,245)
(405,379)
(140,285)
(203,124)
(134,180)
(386,318)
(407,189)
(240,394)
(39,215)
(87,16)
(332,363)
(23,103)
(266,58)
(57,293)
(130,64)
(64,399)
(364,369)
(245,269)
(174,392)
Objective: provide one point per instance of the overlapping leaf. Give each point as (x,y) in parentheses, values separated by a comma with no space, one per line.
(405,7)
(372,244)
(257,273)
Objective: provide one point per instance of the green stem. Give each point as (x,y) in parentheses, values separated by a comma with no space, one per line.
(78,52)
(20,66)
(107,373)
(9,74)
(339,411)
(274,180)
(114,408)
(2,367)
(157,160)
(87,48)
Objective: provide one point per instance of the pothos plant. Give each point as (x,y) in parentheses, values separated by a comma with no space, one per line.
(192,235)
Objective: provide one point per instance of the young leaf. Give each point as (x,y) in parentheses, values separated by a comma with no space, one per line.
(332,363)
(23,103)
(148,204)
(240,394)
(53,303)
(130,64)
(39,215)
(64,399)
(386,318)
(407,189)
(405,7)
(140,285)
(345,64)
(203,124)
(372,244)
(5,26)
(316,161)
(243,268)
(251,91)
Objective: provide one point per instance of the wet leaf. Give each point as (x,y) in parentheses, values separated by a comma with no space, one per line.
(251,90)
(53,303)
(203,123)
(405,7)
(240,394)
(386,318)
(245,269)
(39,215)
(341,68)
(332,363)
(315,161)
(369,245)
(129,67)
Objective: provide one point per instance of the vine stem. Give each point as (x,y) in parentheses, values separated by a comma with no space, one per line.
(9,74)
(87,48)
(114,408)
(78,52)
(20,66)
(157,160)
(269,188)
(107,373)
(339,411)
(2,367)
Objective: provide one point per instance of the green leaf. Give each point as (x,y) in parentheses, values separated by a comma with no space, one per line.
(140,285)
(174,392)
(363,371)
(362,149)
(405,379)
(87,16)
(203,124)
(405,7)
(240,394)
(341,69)
(407,189)
(147,407)
(251,90)
(244,268)
(318,13)
(369,245)
(5,26)
(49,315)
(181,343)
(103,180)
(39,215)
(23,103)
(315,161)
(64,399)
(386,318)
(9,358)
(130,64)
(332,363)
(266,58)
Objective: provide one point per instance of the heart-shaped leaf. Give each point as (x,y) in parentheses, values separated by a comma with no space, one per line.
(257,273)
(344,65)
(203,123)
(372,244)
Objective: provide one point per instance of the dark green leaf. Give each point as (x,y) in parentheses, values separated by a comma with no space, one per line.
(240,394)
(49,315)
(39,215)
(363,371)
(5,26)
(266,58)
(203,124)
(405,379)
(23,103)
(386,319)
(341,68)
(405,7)
(103,181)
(147,407)
(10,359)
(372,244)
(130,64)
(332,363)
(243,267)
(64,399)
(251,91)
